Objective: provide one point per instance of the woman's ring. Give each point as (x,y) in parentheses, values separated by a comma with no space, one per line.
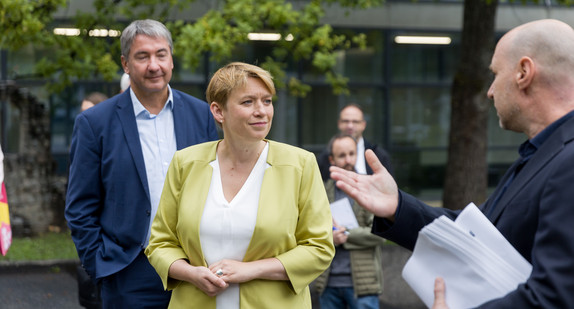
(219,272)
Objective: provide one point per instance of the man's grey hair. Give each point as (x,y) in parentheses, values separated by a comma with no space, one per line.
(148,27)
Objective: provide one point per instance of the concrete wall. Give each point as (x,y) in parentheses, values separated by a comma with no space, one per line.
(35,195)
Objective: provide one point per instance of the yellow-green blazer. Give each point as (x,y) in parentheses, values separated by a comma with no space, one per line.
(293,224)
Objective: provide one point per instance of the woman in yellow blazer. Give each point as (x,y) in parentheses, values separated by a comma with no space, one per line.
(243,222)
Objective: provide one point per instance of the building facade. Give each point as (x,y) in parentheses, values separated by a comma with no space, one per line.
(403,88)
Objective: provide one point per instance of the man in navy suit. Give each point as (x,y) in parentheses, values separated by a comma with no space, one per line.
(120,152)
(533,206)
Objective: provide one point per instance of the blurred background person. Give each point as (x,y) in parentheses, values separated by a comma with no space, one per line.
(244,219)
(355,278)
(92,99)
(352,122)
(124,82)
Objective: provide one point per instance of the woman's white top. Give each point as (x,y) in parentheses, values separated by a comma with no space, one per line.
(226,227)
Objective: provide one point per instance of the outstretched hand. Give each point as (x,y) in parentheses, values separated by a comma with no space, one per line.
(377,193)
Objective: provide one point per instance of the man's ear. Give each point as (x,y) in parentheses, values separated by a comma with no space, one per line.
(331,161)
(125,65)
(525,74)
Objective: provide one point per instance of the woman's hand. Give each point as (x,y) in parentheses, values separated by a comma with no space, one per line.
(238,272)
(200,276)
(232,271)
(207,281)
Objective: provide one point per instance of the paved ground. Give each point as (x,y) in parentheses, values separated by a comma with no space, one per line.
(52,284)
(39,285)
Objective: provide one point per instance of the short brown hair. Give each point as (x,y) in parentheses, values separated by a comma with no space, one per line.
(232,76)
(337,137)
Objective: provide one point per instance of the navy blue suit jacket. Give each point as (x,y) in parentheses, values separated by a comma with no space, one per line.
(536,215)
(107,203)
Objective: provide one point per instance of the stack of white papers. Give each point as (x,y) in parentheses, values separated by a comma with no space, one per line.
(477,263)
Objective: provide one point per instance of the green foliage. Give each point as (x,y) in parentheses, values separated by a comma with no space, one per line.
(50,246)
(217,33)
(23,21)
(276,69)
(338,81)
(297,88)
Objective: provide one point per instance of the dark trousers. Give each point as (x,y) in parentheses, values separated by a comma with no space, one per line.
(137,286)
(88,291)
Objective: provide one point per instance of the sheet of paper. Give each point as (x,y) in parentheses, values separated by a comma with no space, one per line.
(473,220)
(342,212)
(465,287)
(461,252)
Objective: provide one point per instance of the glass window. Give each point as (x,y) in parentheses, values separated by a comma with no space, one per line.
(284,128)
(423,63)
(364,65)
(421,171)
(420,117)
(319,113)
(420,121)
(181,74)
(359,65)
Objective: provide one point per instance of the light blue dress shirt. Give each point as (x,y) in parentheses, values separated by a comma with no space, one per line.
(157,138)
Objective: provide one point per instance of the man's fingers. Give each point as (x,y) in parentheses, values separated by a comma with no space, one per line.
(373,161)
(338,173)
(439,293)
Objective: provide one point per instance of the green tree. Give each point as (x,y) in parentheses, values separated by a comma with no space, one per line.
(24,21)
(217,33)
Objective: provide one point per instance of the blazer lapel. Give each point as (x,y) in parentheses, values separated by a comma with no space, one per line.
(127,118)
(180,122)
(488,204)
